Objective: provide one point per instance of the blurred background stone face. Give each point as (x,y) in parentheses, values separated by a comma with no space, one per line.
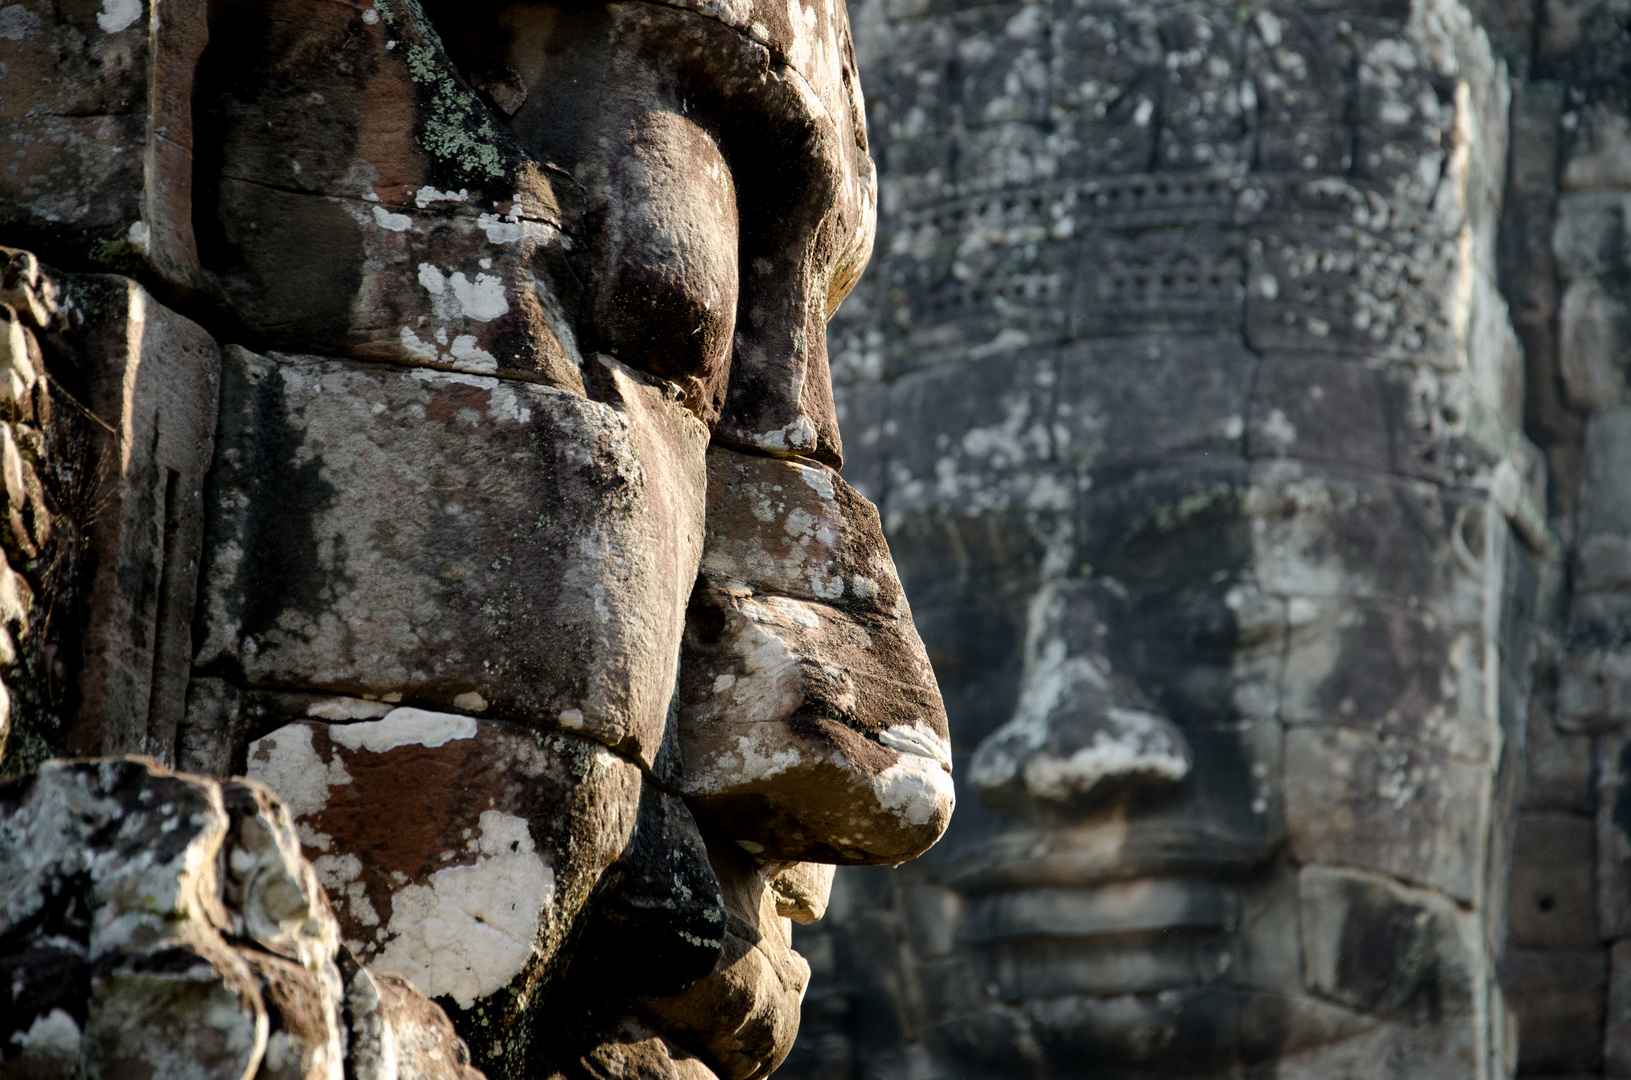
(1239,391)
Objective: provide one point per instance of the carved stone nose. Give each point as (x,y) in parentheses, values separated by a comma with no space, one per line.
(1079,728)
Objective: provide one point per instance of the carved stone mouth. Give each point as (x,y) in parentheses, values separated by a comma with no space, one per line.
(1119,854)
(1115,909)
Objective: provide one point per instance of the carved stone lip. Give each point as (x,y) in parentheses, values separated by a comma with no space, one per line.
(1111,909)
(1037,859)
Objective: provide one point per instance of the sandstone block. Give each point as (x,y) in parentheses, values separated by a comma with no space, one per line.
(1606,509)
(1597,154)
(1590,238)
(1613,847)
(1617,1010)
(1558,998)
(1379,947)
(810,724)
(1410,543)
(1594,329)
(971,422)
(446,249)
(100,116)
(466,891)
(422,547)
(153,379)
(165,924)
(1558,773)
(1406,674)
(1322,410)
(1111,403)
(1343,789)
(1551,901)
(1594,691)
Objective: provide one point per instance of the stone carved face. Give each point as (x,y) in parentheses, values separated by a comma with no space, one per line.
(529,581)
(1168,384)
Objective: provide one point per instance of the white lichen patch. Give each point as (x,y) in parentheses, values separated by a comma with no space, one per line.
(468,930)
(117,15)
(403,727)
(457,295)
(918,739)
(391,222)
(915,789)
(286,762)
(799,434)
(1136,743)
(53,1037)
(343,709)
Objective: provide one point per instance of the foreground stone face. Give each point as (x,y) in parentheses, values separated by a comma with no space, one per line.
(484,297)
(167,925)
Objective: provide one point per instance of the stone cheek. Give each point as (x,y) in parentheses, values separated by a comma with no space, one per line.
(1346,796)
(452,539)
(467,890)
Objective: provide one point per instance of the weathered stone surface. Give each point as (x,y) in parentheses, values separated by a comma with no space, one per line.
(1079,726)
(420,543)
(505,273)
(40,539)
(469,892)
(1395,672)
(1552,903)
(630,1049)
(810,723)
(802,890)
(654,928)
(100,116)
(1613,847)
(1344,790)
(396,1031)
(152,379)
(1558,997)
(756,984)
(1378,947)
(164,924)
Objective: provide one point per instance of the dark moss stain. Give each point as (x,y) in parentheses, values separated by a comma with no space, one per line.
(1622,801)
(257,462)
(1387,959)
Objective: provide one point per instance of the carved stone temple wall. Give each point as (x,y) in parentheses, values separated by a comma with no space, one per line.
(1244,390)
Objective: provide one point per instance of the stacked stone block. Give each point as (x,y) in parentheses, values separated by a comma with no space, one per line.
(1564,270)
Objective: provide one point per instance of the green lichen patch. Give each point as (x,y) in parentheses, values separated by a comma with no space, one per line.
(455,127)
